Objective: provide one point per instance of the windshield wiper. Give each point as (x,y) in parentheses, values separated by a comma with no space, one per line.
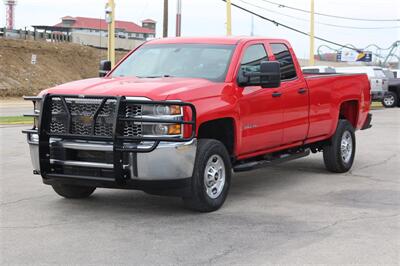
(160,76)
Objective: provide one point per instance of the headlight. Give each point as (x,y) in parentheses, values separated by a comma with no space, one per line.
(157,112)
(172,111)
(161,110)
(161,129)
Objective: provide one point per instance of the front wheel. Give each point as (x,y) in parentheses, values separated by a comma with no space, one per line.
(339,155)
(390,100)
(73,192)
(211,177)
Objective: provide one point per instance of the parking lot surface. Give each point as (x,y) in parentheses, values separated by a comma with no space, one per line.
(293,213)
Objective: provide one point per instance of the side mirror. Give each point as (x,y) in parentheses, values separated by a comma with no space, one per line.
(105,67)
(270,74)
(266,75)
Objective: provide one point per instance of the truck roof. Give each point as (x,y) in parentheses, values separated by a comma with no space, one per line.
(212,40)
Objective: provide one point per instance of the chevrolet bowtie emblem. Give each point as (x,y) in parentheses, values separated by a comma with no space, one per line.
(86,119)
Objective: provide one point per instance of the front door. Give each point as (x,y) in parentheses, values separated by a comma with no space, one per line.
(260,108)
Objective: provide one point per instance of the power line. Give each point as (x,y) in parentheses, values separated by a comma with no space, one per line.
(328,15)
(290,28)
(321,23)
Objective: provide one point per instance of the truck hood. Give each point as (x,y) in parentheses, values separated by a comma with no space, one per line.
(395,82)
(153,88)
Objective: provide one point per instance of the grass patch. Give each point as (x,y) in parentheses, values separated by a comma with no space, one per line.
(376,104)
(15,120)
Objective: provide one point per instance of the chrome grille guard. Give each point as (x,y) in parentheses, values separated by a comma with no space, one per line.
(119,119)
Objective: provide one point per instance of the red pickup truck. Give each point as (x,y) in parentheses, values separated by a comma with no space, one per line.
(177,116)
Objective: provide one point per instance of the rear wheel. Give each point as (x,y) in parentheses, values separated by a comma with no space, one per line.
(390,100)
(211,177)
(73,192)
(339,155)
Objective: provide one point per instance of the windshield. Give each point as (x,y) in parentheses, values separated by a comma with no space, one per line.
(177,60)
(389,74)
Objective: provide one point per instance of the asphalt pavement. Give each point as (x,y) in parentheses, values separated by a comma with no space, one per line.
(294,213)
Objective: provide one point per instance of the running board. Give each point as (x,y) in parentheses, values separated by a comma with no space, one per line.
(247,166)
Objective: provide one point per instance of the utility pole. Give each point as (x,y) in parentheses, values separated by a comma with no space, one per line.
(311,58)
(110,19)
(252,26)
(165,19)
(178,18)
(228,18)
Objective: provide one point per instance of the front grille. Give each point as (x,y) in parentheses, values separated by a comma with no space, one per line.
(132,110)
(83,113)
(132,129)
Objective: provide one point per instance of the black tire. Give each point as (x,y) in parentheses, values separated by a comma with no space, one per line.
(215,151)
(334,159)
(390,100)
(73,192)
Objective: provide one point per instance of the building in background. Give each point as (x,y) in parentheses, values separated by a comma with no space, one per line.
(96,26)
(149,24)
(93,32)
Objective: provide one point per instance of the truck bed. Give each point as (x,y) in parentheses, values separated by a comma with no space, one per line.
(327,91)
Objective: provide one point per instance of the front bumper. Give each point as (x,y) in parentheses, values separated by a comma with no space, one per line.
(169,161)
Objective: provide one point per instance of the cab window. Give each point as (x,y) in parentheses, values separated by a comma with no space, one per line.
(252,58)
(284,57)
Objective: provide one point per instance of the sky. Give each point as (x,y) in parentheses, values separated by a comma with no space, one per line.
(208,17)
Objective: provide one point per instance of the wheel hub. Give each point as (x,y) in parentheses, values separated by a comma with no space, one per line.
(214,176)
(389,100)
(346,147)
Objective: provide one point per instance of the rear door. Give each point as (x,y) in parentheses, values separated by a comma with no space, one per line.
(381,81)
(376,82)
(294,95)
(260,109)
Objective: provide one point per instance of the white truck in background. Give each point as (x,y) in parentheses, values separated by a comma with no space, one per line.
(396,73)
(318,69)
(377,78)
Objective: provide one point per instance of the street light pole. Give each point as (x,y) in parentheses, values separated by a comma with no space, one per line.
(165,19)
(228,18)
(178,18)
(110,19)
(311,58)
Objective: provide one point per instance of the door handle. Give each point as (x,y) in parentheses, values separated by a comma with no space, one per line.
(276,94)
(302,91)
